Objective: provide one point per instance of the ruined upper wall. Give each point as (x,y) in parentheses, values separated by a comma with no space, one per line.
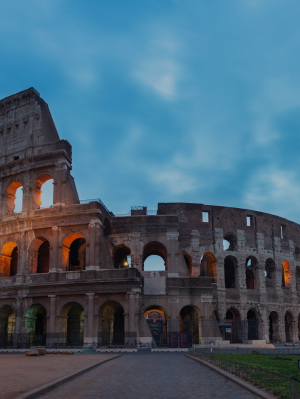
(231,220)
(26,127)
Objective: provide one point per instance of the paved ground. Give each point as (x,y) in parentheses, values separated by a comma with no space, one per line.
(20,373)
(151,375)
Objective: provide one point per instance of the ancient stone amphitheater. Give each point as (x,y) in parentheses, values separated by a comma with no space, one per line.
(73,273)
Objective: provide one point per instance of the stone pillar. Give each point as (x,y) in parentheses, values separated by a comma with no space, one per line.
(18,319)
(281,328)
(90,339)
(91,264)
(131,311)
(55,263)
(260,278)
(52,319)
(195,245)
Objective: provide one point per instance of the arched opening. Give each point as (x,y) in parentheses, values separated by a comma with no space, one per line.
(233,327)
(270,274)
(39,256)
(9,259)
(274,327)
(229,242)
(106,230)
(297,254)
(72,324)
(157,322)
(188,262)
(286,274)
(36,324)
(299,327)
(251,264)
(252,325)
(7,326)
(190,324)
(289,327)
(14,198)
(43,198)
(154,257)
(74,252)
(230,265)
(208,265)
(112,324)
(298,280)
(122,258)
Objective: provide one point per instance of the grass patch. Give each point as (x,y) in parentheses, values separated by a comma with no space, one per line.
(266,362)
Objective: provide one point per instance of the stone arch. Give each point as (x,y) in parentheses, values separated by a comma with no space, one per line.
(252,323)
(155,248)
(234,330)
(9,258)
(114,299)
(7,324)
(286,276)
(39,255)
(111,323)
(289,325)
(159,325)
(274,327)
(232,240)
(230,267)
(74,252)
(10,196)
(208,265)
(188,261)
(39,180)
(190,322)
(71,323)
(120,256)
(270,273)
(36,324)
(251,267)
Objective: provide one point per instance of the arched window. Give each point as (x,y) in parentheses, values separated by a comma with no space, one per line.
(122,258)
(188,262)
(229,242)
(156,317)
(208,265)
(230,265)
(14,198)
(286,274)
(251,265)
(154,257)
(74,252)
(43,191)
(9,259)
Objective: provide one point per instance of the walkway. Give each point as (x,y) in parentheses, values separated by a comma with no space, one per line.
(150,375)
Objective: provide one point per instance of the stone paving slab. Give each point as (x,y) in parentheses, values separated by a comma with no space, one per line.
(20,373)
(148,376)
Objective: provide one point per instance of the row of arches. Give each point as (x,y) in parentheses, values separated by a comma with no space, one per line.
(251,272)
(42,194)
(73,255)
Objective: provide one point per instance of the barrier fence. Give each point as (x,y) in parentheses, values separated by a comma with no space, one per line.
(279,384)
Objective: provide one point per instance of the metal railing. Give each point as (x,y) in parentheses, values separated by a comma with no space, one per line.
(92,200)
(287,387)
(148,212)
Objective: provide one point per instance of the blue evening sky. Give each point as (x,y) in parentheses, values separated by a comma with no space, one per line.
(167,101)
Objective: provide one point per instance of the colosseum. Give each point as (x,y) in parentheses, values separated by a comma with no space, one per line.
(73,274)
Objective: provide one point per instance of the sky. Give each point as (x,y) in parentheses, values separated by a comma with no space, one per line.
(166,101)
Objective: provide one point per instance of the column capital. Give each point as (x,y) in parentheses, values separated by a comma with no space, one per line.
(90,295)
(52,297)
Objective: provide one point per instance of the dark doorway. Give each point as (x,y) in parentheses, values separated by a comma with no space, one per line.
(43,258)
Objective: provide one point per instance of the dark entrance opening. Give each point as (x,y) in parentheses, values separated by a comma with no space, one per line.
(43,258)
(252,325)
(77,256)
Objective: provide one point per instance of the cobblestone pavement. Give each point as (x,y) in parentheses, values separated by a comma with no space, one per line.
(150,375)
